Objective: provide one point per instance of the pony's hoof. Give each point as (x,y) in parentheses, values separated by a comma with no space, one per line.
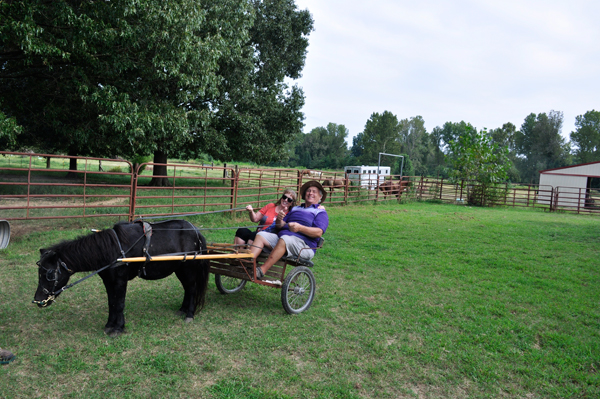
(189,319)
(111,332)
(180,313)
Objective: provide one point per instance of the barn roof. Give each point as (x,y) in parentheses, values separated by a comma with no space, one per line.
(570,166)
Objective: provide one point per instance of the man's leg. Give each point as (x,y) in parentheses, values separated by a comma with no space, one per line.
(278,252)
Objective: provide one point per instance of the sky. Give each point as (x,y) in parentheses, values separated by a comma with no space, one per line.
(482,62)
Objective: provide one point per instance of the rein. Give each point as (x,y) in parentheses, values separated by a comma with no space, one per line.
(188,214)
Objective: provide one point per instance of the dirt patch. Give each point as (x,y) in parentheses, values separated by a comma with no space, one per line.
(18,230)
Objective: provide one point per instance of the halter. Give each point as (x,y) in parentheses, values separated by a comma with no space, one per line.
(52,275)
(52,295)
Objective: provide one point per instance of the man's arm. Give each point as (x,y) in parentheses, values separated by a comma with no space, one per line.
(313,232)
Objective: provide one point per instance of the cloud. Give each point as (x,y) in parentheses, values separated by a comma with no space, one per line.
(485,62)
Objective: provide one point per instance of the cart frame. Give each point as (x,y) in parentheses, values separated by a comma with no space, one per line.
(233,266)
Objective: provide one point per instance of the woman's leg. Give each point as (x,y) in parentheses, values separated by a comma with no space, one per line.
(259,243)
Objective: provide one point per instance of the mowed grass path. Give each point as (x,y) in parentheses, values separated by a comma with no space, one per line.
(413,301)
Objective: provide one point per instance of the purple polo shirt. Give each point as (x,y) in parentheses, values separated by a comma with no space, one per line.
(310,217)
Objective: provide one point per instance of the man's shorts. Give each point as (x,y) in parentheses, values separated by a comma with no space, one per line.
(295,246)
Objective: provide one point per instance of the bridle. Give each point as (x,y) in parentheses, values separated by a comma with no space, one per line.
(52,275)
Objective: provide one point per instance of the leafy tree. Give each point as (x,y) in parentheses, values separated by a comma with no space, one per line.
(324,147)
(435,159)
(540,144)
(504,137)
(172,79)
(357,146)
(257,113)
(8,132)
(381,134)
(414,139)
(587,137)
(474,157)
(451,131)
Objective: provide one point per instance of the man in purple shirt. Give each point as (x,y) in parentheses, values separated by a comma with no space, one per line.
(298,231)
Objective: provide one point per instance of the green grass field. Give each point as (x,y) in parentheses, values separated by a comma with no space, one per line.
(414,300)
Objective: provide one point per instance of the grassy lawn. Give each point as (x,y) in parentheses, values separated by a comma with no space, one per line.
(414,300)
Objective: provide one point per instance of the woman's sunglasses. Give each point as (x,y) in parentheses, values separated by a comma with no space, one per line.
(288,199)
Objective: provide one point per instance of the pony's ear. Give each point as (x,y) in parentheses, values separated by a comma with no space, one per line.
(45,252)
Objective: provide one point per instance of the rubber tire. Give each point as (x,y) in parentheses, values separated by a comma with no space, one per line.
(298,290)
(227,285)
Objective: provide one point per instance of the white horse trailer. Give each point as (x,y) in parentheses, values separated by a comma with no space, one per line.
(366,176)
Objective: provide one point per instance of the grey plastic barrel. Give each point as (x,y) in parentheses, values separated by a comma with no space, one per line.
(4,234)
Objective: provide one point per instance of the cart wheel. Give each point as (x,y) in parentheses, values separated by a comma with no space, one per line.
(229,285)
(298,290)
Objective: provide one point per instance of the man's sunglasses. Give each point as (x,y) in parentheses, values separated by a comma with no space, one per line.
(288,199)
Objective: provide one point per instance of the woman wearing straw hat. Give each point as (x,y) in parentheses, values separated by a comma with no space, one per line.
(298,231)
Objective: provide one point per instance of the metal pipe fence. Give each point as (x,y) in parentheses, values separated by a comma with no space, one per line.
(43,186)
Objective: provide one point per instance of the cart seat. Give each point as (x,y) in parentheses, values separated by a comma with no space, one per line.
(298,262)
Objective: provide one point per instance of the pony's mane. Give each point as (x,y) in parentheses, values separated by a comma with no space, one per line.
(89,252)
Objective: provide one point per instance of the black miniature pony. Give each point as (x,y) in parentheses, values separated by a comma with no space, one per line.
(99,250)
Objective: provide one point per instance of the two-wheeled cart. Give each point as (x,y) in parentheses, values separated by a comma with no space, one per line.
(234,266)
(293,276)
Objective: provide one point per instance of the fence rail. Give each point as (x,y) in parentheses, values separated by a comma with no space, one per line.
(44,186)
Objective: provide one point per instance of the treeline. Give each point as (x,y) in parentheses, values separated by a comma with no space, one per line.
(537,145)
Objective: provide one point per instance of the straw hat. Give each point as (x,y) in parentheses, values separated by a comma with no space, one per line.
(313,183)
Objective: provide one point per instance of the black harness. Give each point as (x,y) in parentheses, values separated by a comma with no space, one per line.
(53,275)
(50,276)
(147,229)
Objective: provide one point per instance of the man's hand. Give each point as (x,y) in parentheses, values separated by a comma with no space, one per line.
(279,223)
(294,227)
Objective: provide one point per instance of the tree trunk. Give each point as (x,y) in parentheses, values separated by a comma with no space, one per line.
(160,170)
(72,166)
(48,162)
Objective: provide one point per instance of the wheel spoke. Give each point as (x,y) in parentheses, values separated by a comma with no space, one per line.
(298,290)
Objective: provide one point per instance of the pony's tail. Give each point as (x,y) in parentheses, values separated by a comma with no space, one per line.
(201,278)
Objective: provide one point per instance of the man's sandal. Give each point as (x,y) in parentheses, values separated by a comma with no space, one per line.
(259,273)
